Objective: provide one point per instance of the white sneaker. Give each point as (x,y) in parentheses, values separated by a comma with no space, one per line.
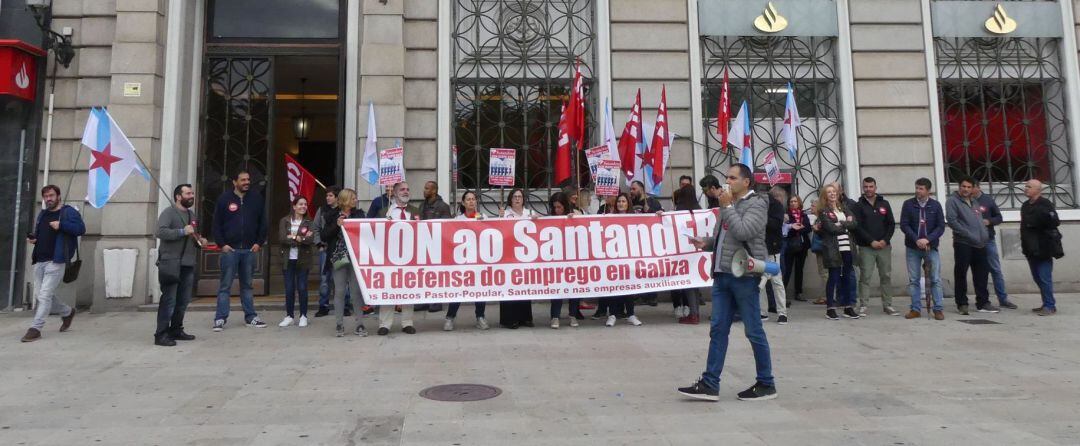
(573,321)
(611,321)
(686,310)
(555,323)
(286,322)
(481,323)
(679,311)
(303,321)
(448,325)
(862,311)
(633,320)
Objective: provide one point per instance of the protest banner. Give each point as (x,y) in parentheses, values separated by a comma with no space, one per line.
(391,166)
(772,170)
(501,167)
(607,178)
(431,261)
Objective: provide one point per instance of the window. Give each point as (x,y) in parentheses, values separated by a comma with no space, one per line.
(513,63)
(759,70)
(1003,116)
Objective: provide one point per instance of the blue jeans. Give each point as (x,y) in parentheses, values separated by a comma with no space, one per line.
(242,262)
(994,259)
(732,295)
(295,285)
(914,270)
(174,302)
(556,307)
(1043,271)
(840,289)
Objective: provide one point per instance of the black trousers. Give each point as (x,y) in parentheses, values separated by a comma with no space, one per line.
(975,259)
(793,267)
(174,302)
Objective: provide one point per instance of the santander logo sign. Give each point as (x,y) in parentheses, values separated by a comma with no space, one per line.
(22,79)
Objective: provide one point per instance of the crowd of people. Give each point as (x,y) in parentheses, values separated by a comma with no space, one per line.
(844,235)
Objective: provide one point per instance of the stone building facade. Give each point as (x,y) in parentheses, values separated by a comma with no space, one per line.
(881,85)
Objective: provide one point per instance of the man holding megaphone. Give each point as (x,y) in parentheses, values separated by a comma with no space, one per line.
(743,216)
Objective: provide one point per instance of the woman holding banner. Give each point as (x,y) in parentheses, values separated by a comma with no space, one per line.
(517,313)
(467,211)
(339,261)
(297,240)
(604,303)
(622,304)
(559,205)
(835,222)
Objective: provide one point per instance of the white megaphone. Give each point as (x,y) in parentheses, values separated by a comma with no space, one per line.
(742,264)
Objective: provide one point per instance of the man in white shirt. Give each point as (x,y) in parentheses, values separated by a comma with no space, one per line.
(398,209)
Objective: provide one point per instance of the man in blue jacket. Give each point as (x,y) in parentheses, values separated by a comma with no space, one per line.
(240,232)
(923,223)
(55,238)
(992,217)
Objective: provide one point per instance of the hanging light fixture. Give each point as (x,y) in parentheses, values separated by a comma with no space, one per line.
(301,123)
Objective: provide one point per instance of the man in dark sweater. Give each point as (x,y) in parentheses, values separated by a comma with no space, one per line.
(55,239)
(431,208)
(873,234)
(240,232)
(992,217)
(180,241)
(776,295)
(1040,241)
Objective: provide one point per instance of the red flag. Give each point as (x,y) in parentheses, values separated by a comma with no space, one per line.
(661,139)
(628,142)
(575,111)
(301,183)
(723,113)
(562,152)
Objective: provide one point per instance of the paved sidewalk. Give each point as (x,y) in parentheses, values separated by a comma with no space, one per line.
(878,381)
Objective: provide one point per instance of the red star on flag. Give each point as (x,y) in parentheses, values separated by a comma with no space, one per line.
(104,159)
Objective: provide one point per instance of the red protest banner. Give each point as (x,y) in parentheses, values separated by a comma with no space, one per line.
(411,262)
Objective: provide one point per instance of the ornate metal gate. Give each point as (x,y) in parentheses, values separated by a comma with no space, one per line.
(236,123)
(513,63)
(1003,116)
(760,68)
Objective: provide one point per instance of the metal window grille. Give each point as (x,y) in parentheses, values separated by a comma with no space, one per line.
(513,65)
(759,69)
(1003,116)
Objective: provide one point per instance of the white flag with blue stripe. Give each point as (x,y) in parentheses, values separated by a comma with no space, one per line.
(112,157)
(789,132)
(369,170)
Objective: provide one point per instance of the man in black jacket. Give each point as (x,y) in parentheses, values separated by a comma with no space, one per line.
(240,232)
(873,235)
(1040,242)
(431,208)
(774,242)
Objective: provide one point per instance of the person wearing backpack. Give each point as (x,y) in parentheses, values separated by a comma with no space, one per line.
(55,239)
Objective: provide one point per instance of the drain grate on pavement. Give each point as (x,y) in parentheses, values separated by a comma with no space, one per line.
(979,322)
(461,392)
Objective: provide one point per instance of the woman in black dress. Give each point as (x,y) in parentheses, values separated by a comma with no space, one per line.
(516,313)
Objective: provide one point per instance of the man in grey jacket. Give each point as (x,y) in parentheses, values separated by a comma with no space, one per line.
(743,216)
(970,236)
(180,240)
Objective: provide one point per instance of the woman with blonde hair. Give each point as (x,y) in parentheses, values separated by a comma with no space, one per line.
(835,222)
(339,261)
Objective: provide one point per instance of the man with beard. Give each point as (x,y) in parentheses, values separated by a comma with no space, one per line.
(398,209)
(180,242)
(55,239)
(431,208)
(642,203)
(240,231)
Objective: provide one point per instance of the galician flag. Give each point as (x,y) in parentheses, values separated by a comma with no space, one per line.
(609,132)
(740,134)
(790,130)
(112,157)
(369,169)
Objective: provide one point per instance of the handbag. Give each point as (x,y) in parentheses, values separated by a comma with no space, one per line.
(815,243)
(169,269)
(71,267)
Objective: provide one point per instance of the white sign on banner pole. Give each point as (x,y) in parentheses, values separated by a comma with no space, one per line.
(607,178)
(501,166)
(391,166)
